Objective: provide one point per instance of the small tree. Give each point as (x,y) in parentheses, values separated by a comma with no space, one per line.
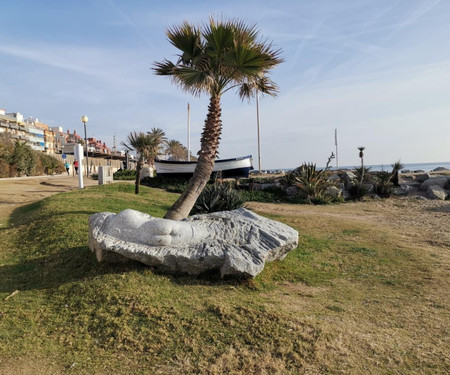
(23,158)
(142,143)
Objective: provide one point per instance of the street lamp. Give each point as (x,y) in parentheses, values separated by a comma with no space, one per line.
(84,120)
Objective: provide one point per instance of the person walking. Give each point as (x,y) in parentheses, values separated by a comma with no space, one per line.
(66,164)
(75,165)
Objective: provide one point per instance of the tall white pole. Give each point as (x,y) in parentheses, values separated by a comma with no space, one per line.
(189,132)
(336,144)
(257,124)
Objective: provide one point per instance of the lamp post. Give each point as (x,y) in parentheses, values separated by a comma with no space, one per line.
(84,120)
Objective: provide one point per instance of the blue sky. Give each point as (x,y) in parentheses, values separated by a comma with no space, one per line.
(378,71)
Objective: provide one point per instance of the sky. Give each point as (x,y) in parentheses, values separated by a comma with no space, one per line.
(377,71)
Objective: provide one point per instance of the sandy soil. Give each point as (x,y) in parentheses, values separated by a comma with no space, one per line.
(423,220)
(15,192)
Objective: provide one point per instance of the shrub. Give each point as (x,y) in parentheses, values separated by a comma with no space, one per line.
(269,195)
(171,184)
(383,185)
(218,197)
(312,182)
(125,174)
(357,191)
(362,172)
(289,178)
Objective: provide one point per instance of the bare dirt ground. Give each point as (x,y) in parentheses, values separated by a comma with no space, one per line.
(15,192)
(415,219)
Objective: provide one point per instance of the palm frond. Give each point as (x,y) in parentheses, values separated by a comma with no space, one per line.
(187,39)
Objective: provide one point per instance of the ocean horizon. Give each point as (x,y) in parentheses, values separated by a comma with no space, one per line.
(426,167)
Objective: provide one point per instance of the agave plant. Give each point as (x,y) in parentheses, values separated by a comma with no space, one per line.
(218,197)
(311,181)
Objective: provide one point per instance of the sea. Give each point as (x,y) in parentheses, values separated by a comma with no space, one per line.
(426,167)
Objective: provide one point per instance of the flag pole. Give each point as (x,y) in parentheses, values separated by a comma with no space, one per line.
(257,124)
(336,144)
(189,132)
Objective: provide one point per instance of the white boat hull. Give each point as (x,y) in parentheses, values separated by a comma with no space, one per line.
(236,167)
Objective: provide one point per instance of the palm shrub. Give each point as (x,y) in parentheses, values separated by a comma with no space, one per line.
(218,197)
(396,168)
(383,185)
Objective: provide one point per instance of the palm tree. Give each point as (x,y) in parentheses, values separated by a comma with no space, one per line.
(141,143)
(176,150)
(158,140)
(361,155)
(213,59)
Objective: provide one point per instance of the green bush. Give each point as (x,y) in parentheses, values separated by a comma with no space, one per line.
(170,184)
(270,195)
(125,174)
(218,197)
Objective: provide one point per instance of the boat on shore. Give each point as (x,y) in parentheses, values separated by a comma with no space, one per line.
(229,168)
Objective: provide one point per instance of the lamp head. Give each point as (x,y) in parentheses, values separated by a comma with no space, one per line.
(84,119)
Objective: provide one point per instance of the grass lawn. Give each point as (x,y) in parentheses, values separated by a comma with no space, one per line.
(352,298)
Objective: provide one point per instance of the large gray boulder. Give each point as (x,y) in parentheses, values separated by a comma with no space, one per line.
(333,191)
(235,242)
(436,192)
(422,177)
(432,181)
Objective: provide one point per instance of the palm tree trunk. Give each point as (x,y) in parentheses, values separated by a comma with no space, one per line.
(138,174)
(207,154)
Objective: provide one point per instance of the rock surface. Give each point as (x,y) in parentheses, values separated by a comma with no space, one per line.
(236,242)
(333,191)
(439,181)
(436,192)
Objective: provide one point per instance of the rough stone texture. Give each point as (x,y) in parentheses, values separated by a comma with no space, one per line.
(334,178)
(400,191)
(422,177)
(236,242)
(436,192)
(439,181)
(440,169)
(333,191)
(348,176)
